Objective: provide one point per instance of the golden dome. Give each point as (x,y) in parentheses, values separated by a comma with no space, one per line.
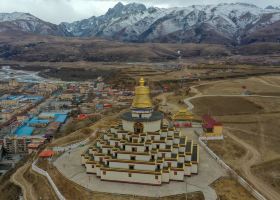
(142,97)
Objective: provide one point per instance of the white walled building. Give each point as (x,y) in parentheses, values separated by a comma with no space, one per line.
(141,149)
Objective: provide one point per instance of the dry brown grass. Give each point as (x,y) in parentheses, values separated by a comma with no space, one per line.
(254,120)
(229,150)
(80,135)
(224,106)
(40,185)
(269,172)
(235,87)
(228,189)
(9,191)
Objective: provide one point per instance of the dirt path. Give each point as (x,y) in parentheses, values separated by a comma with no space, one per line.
(18,179)
(267,83)
(251,133)
(251,158)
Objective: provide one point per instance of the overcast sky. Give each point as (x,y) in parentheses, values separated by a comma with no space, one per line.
(56,11)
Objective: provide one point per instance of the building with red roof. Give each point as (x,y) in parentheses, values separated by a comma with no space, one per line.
(46,154)
(212,128)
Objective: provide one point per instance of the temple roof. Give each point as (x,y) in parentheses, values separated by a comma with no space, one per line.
(183,114)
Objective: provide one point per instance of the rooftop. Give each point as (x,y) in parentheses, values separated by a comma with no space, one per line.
(209,121)
(61,118)
(24,131)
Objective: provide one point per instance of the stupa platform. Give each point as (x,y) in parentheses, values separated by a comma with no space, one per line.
(70,166)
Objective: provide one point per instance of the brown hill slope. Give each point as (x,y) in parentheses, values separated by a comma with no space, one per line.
(19,46)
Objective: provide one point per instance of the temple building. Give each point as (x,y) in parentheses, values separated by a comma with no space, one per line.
(212,129)
(182,119)
(141,149)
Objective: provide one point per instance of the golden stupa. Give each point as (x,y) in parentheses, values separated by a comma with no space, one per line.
(142,97)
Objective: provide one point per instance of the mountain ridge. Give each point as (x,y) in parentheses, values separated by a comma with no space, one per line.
(224,23)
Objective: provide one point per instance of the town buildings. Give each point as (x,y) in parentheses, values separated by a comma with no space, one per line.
(1,151)
(141,149)
(19,144)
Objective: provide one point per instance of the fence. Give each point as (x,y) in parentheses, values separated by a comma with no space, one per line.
(239,179)
(44,173)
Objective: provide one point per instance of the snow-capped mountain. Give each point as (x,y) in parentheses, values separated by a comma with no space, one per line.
(222,23)
(26,22)
(236,23)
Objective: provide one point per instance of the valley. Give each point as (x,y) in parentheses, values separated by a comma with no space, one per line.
(216,66)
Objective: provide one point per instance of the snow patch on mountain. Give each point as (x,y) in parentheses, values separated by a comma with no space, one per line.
(16,16)
(223,23)
(135,22)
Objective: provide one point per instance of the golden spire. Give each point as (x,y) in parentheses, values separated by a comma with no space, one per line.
(142,97)
(141,81)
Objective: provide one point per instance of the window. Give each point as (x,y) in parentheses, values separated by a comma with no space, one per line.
(156,177)
(158,167)
(134,149)
(129,175)
(131,167)
(92,166)
(175,173)
(104,172)
(133,158)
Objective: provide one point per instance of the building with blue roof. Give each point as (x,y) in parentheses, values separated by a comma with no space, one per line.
(35,121)
(24,131)
(61,118)
(48,115)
